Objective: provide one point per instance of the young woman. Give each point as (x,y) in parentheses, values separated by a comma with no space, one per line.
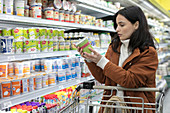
(131,60)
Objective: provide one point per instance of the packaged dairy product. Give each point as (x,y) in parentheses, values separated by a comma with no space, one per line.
(45,80)
(32,66)
(19,68)
(55,34)
(37,65)
(6,88)
(26,33)
(52,78)
(7,45)
(36,10)
(18,34)
(3,70)
(61,15)
(50,45)
(24,84)
(10,69)
(38,45)
(55,45)
(30,46)
(56,14)
(8,6)
(49,33)
(44,45)
(32,83)
(43,33)
(7,32)
(49,13)
(67,16)
(26,67)
(38,81)
(19,7)
(16,85)
(26,11)
(19,47)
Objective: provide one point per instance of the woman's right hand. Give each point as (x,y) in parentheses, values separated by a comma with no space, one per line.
(80,51)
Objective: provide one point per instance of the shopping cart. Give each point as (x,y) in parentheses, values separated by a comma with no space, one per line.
(114,105)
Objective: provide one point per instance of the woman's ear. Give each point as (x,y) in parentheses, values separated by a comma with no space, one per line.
(136,25)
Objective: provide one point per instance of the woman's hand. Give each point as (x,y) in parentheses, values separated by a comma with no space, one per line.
(95,57)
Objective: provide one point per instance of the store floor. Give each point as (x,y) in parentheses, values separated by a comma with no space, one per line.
(166,104)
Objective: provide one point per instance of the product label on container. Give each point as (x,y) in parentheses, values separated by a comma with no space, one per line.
(3,70)
(18,34)
(68,74)
(30,46)
(8,7)
(55,45)
(73,72)
(24,85)
(1,6)
(19,68)
(7,45)
(31,83)
(32,33)
(49,14)
(16,85)
(49,33)
(61,76)
(43,33)
(10,69)
(60,34)
(44,46)
(38,45)
(37,65)
(19,47)
(71,16)
(6,32)
(76,19)
(66,17)
(26,34)
(6,89)
(38,82)
(45,81)
(61,45)
(67,45)
(61,17)
(56,15)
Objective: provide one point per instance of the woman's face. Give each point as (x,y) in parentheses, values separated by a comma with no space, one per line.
(124,27)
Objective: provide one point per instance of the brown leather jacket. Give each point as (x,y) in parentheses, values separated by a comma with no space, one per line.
(137,71)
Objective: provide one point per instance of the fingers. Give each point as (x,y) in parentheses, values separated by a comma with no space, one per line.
(92,50)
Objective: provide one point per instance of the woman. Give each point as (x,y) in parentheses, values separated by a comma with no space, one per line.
(131,60)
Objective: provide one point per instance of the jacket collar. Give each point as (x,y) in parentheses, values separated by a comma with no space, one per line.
(136,53)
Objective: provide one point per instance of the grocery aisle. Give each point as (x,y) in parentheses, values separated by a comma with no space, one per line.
(166,103)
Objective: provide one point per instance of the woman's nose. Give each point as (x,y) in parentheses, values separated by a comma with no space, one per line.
(117,29)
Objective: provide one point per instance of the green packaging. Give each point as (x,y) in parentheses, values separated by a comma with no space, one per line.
(84,44)
(61,45)
(55,45)
(19,47)
(60,34)
(43,33)
(18,34)
(32,33)
(50,45)
(7,32)
(55,34)
(44,45)
(0,32)
(30,46)
(38,45)
(49,33)
(26,33)
(67,45)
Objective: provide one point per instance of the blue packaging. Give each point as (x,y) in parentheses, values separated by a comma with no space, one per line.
(7,44)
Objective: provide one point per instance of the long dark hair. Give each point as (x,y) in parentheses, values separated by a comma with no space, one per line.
(140,38)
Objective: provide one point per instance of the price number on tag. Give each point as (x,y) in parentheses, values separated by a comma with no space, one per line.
(11,58)
(7,104)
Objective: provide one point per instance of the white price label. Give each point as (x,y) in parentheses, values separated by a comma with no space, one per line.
(7,104)
(78,81)
(33,56)
(11,58)
(61,87)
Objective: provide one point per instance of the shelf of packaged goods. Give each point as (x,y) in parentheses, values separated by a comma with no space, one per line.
(34,22)
(28,56)
(163,55)
(14,100)
(96,7)
(162,45)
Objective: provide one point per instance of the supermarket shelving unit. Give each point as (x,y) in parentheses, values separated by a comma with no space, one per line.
(16,21)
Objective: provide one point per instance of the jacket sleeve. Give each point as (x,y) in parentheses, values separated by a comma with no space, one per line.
(136,75)
(96,71)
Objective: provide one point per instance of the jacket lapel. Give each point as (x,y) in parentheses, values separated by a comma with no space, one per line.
(132,56)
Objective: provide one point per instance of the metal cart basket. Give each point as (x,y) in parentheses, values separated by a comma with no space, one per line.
(115,104)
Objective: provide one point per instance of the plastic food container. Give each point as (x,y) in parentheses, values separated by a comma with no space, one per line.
(8,6)
(38,45)
(7,45)
(55,45)
(3,70)
(26,33)
(43,33)
(5,88)
(1,6)
(49,13)
(10,69)
(61,15)
(19,7)
(36,10)
(44,45)
(52,78)
(32,83)
(19,68)
(30,46)
(77,17)
(56,14)
(16,86)
(26,11)
(71,17)
(26,67)
(67,16)
(38,81)
(49,33)
(7,32)
(24,84)
(50,45)
(32,66)
(45,80)
(18,34)
(19,47)
(84,45)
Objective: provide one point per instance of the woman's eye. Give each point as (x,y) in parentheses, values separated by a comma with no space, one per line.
(121,25)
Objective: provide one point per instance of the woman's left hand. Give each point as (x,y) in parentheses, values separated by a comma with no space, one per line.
(95,57)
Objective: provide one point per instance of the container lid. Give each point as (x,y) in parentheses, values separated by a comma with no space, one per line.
(49,8)
(81,41)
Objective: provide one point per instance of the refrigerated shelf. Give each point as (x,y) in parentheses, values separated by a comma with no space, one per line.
(13,20)
(14,100)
